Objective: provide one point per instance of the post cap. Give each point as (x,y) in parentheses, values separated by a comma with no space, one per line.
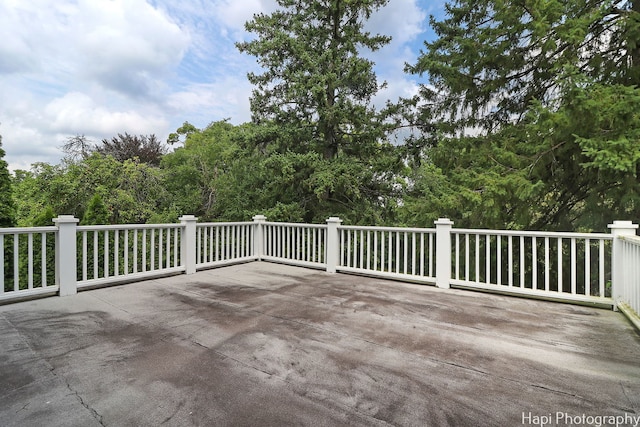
(188,218)
(443,221)
(65,219)
(259,218)
(334,219)
(623,224)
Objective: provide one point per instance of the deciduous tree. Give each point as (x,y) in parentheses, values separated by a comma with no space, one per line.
(146,148)
(78,147)
(133,192)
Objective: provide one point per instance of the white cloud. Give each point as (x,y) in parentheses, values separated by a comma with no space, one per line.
(31,133)
(233,14)
(24,145)
(24,32)
(127,45)
(14,45)
(226,98)
(403,20)
(116,43)
(83,67)
(104,67)
(77,113)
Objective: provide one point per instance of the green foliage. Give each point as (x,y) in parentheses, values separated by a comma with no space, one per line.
(492,58)
(319,147)
(195,174)
(32,195)
(223,172)
(608,126)
(574,167)
(473,182)
(132,191)
(7,207)
(549,91)
(96,212)
(186,129)
(44,218)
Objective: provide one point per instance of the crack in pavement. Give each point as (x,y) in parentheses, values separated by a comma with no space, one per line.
(93,412)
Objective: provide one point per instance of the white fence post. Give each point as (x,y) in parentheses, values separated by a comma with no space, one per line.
(618,229)
(333,244)
(443,252)
(258,236)
(66,250)
(189,243)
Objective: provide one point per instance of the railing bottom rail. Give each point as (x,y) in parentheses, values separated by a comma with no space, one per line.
(294,262)
(630,314)
(225,262)
(410,278)
(26,294)
(604,302)
(129,278)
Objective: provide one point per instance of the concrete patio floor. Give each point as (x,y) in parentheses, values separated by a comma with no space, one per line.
(273,345)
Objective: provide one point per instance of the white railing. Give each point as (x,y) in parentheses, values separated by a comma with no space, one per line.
(628,290)
(115,253)
(573,267)
(392,252)
(223,243)
(296,244)
(27,262)
(570,266)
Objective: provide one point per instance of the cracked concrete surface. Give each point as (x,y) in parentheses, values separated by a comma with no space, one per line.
(266,344)
(93,412)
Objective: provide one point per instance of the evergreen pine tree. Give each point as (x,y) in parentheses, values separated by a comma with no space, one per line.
(316,86)
(96,212)
(531,113)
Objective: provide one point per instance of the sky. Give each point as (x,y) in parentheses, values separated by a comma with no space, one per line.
(103,67)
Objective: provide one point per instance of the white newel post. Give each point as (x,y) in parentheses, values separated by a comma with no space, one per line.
(443,252)
(619,228)
(258,236)
(333,244)
(189,243)
(66,249)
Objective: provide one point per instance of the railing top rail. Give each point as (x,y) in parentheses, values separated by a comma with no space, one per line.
(22,230)
(296,224)
(224,224)
(562,234)
(631,239)
(373,228)
(125,227)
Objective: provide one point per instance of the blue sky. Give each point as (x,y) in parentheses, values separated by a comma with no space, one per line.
(103,67)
